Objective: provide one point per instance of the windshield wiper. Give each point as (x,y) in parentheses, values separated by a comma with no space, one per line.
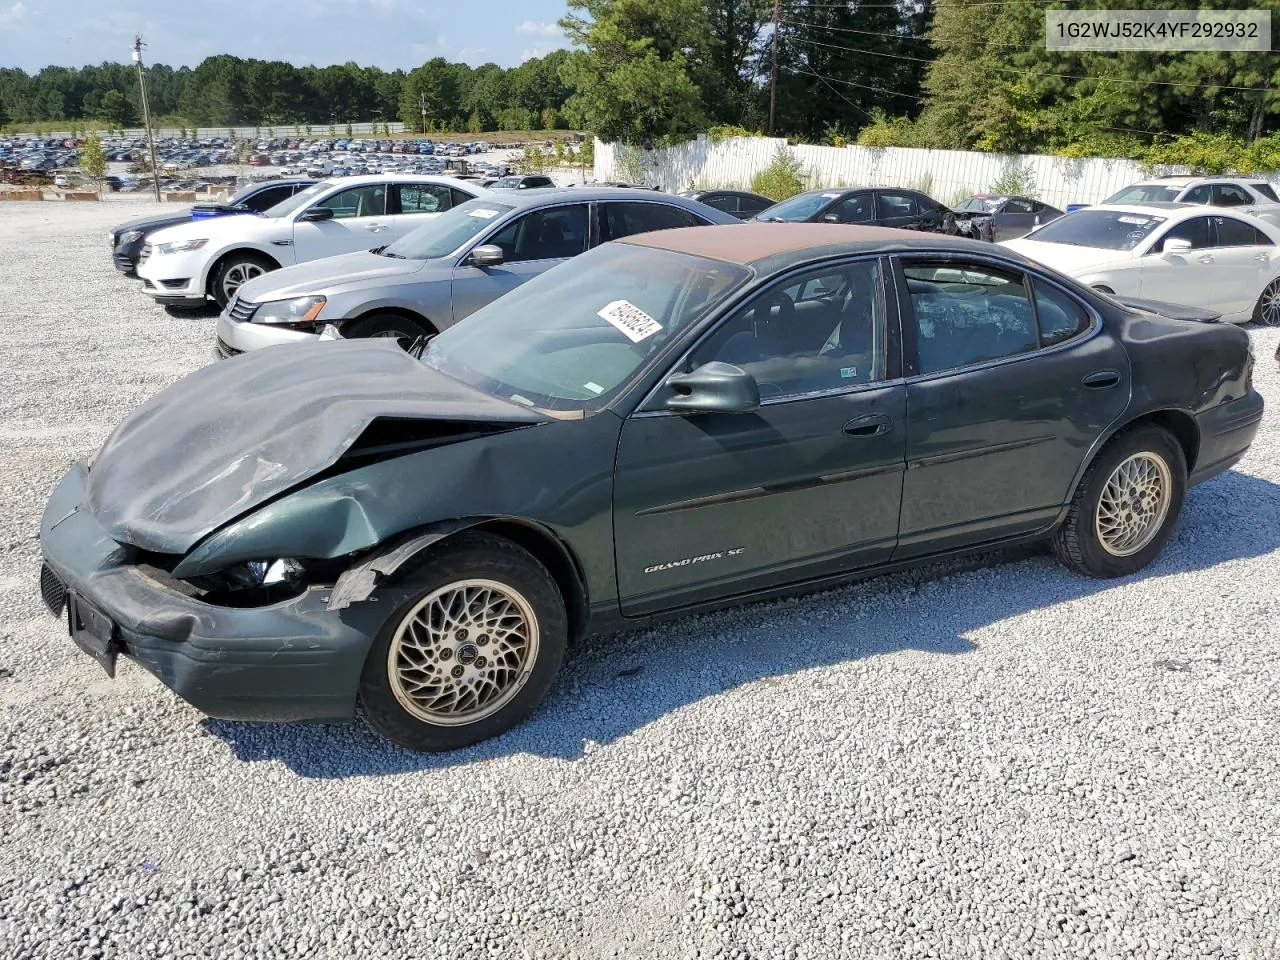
(381,251)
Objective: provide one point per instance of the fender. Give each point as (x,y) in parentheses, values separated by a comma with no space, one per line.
(358,581)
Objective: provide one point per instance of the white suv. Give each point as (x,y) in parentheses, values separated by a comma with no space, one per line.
(182,265)
(1251,195)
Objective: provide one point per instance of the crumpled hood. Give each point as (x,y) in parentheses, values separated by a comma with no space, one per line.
(234,434)
(328,275)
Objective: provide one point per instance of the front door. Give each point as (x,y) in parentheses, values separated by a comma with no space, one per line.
(359,222)
(1183,277)
(709,505)
(531,245)
(1013,379)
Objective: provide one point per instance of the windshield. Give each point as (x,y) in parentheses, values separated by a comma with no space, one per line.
(800,207)
(978,205)
(444,234)
(571,338)
(1144,193)
(1104,229)
(508,183)
(299,200)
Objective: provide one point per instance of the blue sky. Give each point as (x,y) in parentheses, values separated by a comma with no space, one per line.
(383,33)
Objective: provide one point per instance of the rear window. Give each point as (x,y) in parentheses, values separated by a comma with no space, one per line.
(1144,193)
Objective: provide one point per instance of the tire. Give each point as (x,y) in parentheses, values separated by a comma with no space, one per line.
(388,325)
(235,270)
(1103,288)
(1108,539)
(1267,309)
(466,569)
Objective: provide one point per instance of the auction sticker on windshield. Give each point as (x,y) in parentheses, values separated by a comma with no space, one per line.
(484,213)
(630,319)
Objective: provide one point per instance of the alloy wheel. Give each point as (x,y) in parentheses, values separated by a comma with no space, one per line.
(1269,305)
(1134,504)
(463,652)
(237,276)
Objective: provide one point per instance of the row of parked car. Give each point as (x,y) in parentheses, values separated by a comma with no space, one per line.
(617,405)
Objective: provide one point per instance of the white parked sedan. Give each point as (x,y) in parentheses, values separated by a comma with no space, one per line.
(1175,252)
(183,265)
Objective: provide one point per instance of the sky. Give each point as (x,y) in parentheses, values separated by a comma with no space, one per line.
(381,33)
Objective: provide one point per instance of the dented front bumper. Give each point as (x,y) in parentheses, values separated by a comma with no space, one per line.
(292,660)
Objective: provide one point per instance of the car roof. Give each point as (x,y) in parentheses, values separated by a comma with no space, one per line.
(527,198)
(787,243)
(368,178)
(1154,208)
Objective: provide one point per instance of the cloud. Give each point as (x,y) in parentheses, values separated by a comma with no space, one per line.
(539,50)
(15,12)
(535,29)
(473,55)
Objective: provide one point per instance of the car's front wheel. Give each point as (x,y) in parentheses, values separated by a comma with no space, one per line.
(1127,505)
(234,272)
(472,652)
(388,326)
(1268,308)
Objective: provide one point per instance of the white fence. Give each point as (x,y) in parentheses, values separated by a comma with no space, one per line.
(947,175)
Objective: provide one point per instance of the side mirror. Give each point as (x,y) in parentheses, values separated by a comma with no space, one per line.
(713,388)
(486,255)
(318,213)
(830,218)
(1175,245)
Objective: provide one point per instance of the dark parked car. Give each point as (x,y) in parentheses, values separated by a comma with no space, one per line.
(528,181)
(881,207)
(739,203)
(666,423)
(997,217)
(128,239)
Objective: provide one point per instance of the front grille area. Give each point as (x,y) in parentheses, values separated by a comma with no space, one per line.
(146,252)
(226,350)
(52,590)
(125,262)
(241,310)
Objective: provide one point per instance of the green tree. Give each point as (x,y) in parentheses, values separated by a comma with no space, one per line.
(93,159)
(114,108)
(432,88)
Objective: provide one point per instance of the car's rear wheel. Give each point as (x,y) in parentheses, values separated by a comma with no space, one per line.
(388,326)
(1127,505)
(471,653)
(234,272)
(1103,288)
(1268,308)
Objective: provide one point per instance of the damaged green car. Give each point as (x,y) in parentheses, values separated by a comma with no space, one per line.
(664,424)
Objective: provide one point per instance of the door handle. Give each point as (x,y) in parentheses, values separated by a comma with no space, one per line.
(1206,258)
(1100,380)
(1261,257)
(871,425)
(374,227)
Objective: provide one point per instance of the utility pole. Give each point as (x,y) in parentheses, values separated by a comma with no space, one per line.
(773,72)
(146,113)
(422,102)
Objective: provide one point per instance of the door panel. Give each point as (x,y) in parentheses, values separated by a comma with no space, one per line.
(360,222)
(895,209)
(714,504)
(992,448)
(1183,277)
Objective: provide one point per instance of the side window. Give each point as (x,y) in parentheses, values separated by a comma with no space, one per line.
(368,201)
(721,201)
(545,235)
(624,219)
(1017,205)
(1268,191)
(1061,318)
(1237,233)
(795,344)
(855,208)
(1230,195)
(889,205)
(750,206)
(1196,230)
(968,313)
(268,198)
(1200,194)
(423,198)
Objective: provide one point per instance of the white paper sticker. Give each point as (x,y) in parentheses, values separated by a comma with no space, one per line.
(830,196)
(484,213)
(635,324)
(593,387)
(1140,221)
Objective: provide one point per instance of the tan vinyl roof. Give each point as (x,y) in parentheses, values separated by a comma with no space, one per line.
(749,242)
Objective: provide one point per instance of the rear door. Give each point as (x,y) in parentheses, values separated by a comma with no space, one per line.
(897,209)
(1015,218)
(531,244)
(1243,260)
(413,204)
(1010,381)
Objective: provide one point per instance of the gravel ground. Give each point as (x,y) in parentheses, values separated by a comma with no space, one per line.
(973,761)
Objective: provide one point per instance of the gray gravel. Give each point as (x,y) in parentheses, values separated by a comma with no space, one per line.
(972,761)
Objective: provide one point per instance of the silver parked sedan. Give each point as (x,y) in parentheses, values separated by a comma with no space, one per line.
(446,269)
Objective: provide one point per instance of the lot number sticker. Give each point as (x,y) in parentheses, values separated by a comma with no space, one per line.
(635,324)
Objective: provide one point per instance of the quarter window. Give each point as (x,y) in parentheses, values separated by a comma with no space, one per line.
(545,235)
(1060,317)
(968,313)
(1266,190)
(823,330)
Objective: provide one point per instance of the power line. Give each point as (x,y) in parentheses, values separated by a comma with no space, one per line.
(841,95)
(863,86)
(1035,73)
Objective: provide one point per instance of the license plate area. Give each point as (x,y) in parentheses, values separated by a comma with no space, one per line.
(93,632)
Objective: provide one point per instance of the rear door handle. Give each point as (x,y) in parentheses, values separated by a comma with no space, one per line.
(1100,380)
(871,425)
(374,227)
(1261,257)
(1207,258)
